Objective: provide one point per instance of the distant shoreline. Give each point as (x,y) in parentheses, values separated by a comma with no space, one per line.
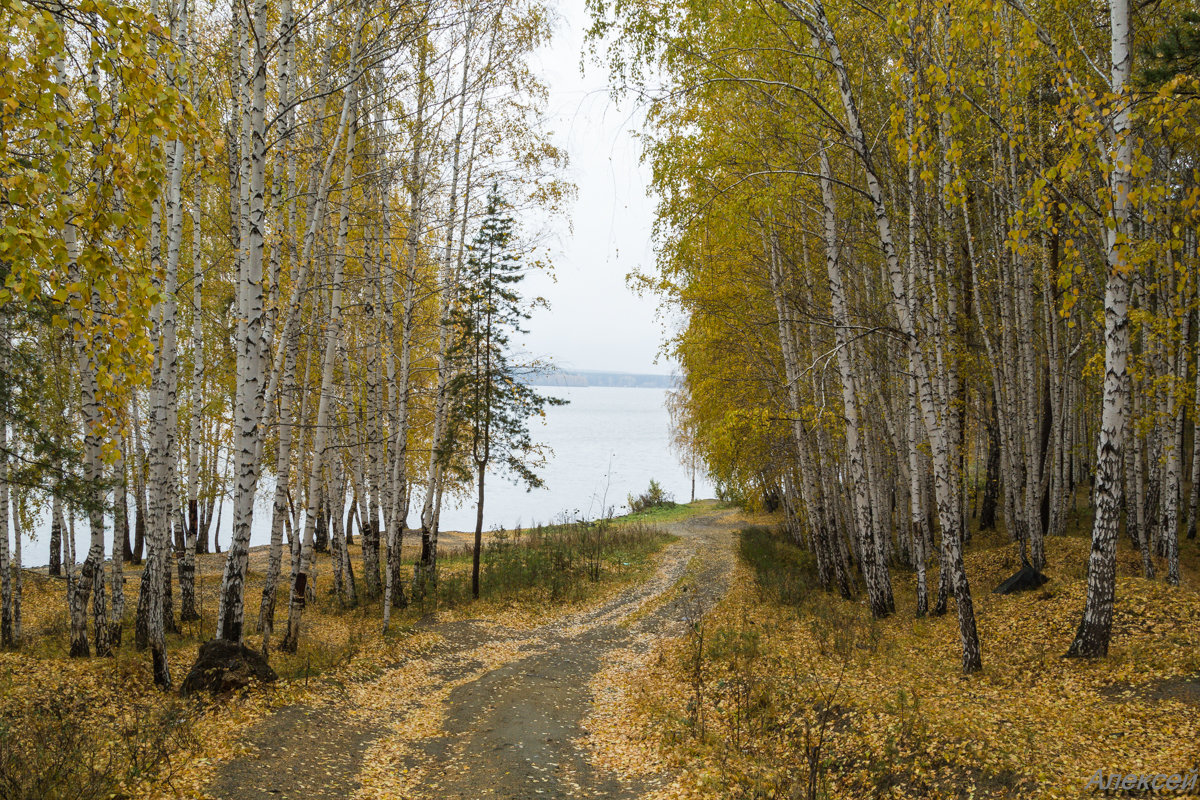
(588,378)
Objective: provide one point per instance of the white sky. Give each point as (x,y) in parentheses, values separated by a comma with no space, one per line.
(594,320)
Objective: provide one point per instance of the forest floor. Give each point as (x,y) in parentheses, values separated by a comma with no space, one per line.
(705,664)
(349,701)
(786,691)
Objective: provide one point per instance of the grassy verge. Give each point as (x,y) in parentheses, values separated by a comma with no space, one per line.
(668,513)
(557,564)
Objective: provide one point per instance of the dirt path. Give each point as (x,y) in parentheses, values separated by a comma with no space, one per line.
(492,712)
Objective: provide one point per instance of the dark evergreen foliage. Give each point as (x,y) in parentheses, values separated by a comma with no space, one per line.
(489,398)
(1176,52)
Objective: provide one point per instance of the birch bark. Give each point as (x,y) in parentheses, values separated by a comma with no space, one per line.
(1095,627)
(320,437)
(880,601)
(946,485)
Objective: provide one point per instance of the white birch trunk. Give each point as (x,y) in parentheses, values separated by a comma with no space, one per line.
(1171,471)
(320,437)
(7,633)
(880,601)
(250,379)
(1095,628)
(946,486)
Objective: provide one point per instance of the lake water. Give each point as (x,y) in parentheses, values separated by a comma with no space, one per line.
(607,443)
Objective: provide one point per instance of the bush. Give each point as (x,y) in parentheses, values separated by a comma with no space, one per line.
(71,749)
(654,497)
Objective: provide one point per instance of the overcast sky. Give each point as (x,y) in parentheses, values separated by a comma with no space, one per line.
(595,321)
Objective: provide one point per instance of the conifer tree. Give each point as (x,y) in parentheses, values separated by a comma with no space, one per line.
(491,405)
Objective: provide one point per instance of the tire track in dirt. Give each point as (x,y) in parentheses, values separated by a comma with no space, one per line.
(514,731)
(491,711)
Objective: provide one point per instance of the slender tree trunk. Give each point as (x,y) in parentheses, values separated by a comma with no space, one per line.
(320,437)
(120,531)
(481,472)
(1174,419)
(991,483)
(139,484)
(56,531)
(1095,628)
(949,510)
(279,508)
(7,636)
(18,581)
(250,378)
(1194,499)
(195,434)
(879,599)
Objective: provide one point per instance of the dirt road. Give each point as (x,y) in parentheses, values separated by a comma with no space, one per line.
(491,712)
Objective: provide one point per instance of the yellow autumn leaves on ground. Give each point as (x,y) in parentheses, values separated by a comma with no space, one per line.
(736,708)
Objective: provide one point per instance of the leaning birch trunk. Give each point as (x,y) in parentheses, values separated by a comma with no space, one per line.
(880,601)
(809,490)
(1095,628)
(320,438)
(946,486)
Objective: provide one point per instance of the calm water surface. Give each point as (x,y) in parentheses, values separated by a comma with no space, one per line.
(604,445)
(607,444)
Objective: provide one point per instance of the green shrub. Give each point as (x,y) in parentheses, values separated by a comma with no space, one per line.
(654,497)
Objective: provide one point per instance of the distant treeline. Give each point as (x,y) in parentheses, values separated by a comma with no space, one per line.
(589,378)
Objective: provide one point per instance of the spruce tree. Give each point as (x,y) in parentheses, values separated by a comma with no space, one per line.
(492,405)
